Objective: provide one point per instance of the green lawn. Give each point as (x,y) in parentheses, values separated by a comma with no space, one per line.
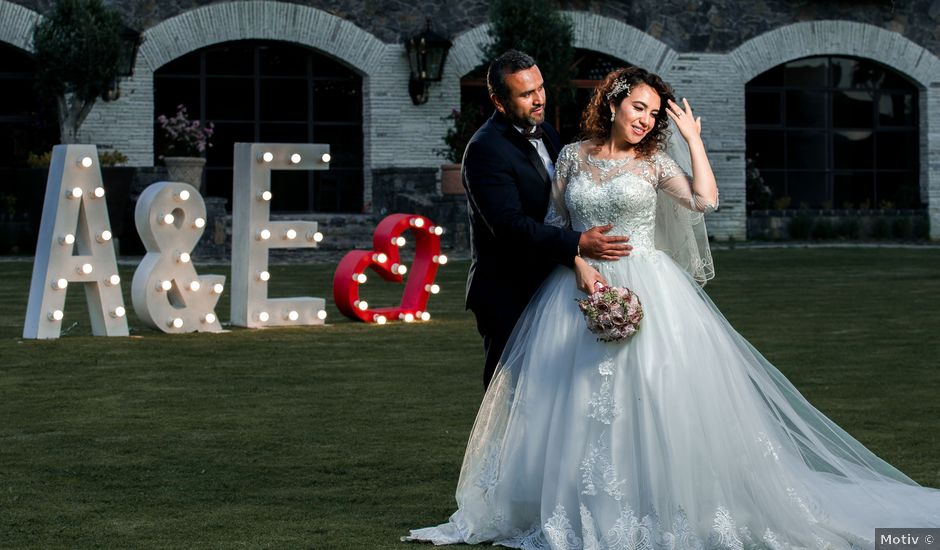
(344,436)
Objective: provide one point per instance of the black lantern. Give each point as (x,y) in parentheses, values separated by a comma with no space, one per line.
(426,54)
(130,42)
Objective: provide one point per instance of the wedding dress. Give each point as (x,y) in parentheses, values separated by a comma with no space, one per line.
(683,437)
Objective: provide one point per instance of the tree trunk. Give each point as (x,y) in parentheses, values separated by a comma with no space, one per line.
(72,113)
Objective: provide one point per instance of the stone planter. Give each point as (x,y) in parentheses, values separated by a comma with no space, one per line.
(451,183)
(186,170)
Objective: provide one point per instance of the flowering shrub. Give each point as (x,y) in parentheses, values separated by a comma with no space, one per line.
(184,137)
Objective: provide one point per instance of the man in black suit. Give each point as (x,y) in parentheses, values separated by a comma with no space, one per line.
(508,169)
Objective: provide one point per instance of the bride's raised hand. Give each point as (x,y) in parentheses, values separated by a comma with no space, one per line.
(689,126)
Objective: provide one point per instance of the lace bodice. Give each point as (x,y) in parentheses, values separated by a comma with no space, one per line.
(592,192)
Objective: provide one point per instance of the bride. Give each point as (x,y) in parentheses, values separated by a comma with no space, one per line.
(684,436)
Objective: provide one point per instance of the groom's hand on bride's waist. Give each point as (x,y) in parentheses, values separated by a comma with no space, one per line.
(596,245)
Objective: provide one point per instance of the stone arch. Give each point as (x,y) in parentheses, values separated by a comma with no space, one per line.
(16,25)
(835,38)
(866,41)
(266,20)
(591,32)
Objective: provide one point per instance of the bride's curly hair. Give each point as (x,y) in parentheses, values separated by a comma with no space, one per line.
(595,121)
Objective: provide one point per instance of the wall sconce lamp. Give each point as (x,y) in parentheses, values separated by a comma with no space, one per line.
(426,54)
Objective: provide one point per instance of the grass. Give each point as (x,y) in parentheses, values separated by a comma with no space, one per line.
(345,436)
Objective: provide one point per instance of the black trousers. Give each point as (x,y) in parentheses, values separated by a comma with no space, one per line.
(495,328)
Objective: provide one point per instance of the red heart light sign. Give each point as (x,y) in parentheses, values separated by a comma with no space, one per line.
(384,259)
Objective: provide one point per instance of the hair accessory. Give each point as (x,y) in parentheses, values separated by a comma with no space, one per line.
(619,86)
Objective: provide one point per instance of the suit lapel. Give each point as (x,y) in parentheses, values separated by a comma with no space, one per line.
(528,150)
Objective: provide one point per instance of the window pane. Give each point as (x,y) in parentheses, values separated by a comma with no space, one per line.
(345,144)
(231,58)
(896,110)
(853,149)
(901,189)
(807,189)
(806,109)
(284,132)
(290,190)
(897,150)
(773,77)
(853,190)
(806,149)
(219,182)
(806,72)
(188,64)
(284,99)
(230,99)
(172,92)
(853,109)
(279,60)
(223,140)
(766,148)
(350,185)
(763,108)
(337,101)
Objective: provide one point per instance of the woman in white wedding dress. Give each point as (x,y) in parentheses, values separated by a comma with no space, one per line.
(683,437)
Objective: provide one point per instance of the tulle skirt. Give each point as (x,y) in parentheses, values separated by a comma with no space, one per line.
(682,437)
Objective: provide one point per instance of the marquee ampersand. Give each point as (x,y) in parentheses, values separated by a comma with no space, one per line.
(385,259)
(167,293)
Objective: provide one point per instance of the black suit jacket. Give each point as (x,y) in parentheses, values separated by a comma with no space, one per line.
(509,190)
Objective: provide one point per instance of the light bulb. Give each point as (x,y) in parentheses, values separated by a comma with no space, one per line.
(263,316)
(317,237)
(264,276)
(295,158)
(290,234)
(264,235)
(432,288)
(99,192)
(266,156)
(437,230)
(75,193)
(60,284)
(264,195)
(407,317)
(183,258)
(379,319)
(209,318)
(118,312)
(165,285)
(442,259)
(86,162)
(194,286)
(174,322)
(321,315)
(199,223)
(86,269)
(68,238)
(425,316)
(167,219)
(398,241)
(359,277)
(417,222)
(104,236)
(56,315)
(361,304)
(292,315)
(380,258)
(114,280)
(218,288)
(399,269)
(325,157)
(183,195)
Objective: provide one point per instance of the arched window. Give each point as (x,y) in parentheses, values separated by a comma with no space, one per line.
(588,70)
(832,132)
(27,124)
(266,91)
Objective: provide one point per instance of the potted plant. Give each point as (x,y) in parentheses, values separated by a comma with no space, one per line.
(78,50)
(465,123)
(186,142)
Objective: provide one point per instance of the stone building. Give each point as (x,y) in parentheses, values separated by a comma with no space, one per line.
(836,103)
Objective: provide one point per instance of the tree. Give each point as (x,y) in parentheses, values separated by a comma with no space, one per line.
(77,50)
(537,28)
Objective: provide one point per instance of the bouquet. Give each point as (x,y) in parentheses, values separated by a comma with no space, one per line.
(613,313)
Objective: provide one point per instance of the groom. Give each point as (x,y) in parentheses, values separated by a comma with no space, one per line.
(508,168)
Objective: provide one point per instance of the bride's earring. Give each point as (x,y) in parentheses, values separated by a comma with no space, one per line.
(612,113)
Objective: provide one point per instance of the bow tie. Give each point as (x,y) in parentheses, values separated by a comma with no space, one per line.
(534,132)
